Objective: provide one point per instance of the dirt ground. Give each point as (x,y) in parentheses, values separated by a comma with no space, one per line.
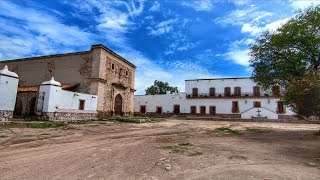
(173,149)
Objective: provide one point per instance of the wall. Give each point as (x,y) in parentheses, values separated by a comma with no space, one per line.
(203,86)
(65,103)
(262,111)
(223,106)
(8,92)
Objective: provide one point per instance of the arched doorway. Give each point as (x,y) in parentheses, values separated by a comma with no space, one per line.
(18,108)
(118,105)
(32,106)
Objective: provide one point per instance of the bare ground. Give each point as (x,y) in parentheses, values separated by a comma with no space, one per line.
(174,149)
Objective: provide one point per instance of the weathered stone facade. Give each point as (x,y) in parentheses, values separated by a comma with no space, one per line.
(99,71)
(6,115)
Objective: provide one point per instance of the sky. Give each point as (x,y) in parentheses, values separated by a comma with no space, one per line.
(168,40)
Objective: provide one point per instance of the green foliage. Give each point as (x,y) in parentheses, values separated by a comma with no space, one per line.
(228,130)
(179,148)
(160,87)
(45,124)
(286,56)
(304,94)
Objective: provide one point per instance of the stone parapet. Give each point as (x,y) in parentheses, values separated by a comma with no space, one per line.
(6,115)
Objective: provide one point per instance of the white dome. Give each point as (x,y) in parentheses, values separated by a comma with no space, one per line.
(51,82)
(5,71)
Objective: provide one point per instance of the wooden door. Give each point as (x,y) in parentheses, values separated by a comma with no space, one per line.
(193,110)
(118,105)
(176,109)
(212,110)
(202,110)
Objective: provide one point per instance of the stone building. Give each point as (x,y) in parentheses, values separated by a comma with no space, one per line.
(220,97)
(99,71)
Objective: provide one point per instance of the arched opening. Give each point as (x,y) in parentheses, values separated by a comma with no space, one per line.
(18,108)
(118,105)
(32,106)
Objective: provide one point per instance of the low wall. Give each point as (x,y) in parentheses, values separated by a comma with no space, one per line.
(68,115)
(6,115)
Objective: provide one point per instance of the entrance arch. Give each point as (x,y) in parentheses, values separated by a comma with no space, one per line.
(18,108)
(118,105)
(32,106)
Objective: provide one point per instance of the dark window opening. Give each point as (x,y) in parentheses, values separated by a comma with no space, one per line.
(195,92)
(237,91)
(256,91)
(142,109)
(280,108)
(276,91)
(256,104)
(227,91)
(159,110)
(212,92)
(81,104)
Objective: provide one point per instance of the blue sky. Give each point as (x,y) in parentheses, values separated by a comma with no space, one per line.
(168,40)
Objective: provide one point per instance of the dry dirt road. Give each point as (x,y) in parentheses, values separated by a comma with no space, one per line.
(174,149)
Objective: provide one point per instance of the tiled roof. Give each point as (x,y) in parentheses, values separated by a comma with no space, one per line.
(36,88)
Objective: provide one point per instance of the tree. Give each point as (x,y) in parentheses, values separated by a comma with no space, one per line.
(160,87)
(288,56)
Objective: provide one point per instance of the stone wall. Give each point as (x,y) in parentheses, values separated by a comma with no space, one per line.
(6,115)
(68,116)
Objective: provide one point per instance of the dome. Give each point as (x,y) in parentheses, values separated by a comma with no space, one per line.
(5,71)
(51,82)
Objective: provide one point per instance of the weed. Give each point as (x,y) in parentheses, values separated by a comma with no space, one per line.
(228,130)
(180,148)
(238,157)
(44,125)
(256,131)
(196,153)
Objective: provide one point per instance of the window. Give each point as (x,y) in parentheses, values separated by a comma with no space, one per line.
(195,92)
(142,109)
(256,91)
(227,91)
(212,91)
(276,91)
(81,104)
(235,107)
(159,110)
(256,104)
(193,110)
(212,110)
(280,108)
(112,66)
(202,110)
(237,91)
(127,73)
(176,109)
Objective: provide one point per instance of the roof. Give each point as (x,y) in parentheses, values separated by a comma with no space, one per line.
(73,53)
(36,88)
(217,79)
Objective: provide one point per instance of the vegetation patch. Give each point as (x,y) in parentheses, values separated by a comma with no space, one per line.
(3,136)
(44,125)
(257,131)
(238,157)
(195,153)
(137,119)
(227,130)
(179,148)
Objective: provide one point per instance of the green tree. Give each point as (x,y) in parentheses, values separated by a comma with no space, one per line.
(288,55)
(160,87)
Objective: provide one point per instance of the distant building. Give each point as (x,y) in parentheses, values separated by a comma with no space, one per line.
(99,71)
(221,97)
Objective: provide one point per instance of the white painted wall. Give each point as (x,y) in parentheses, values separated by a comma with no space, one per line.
(223,105)
(56,99)
(8,91)
(203,86)
(262,111)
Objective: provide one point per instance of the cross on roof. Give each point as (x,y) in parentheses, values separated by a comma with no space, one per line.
(258,112)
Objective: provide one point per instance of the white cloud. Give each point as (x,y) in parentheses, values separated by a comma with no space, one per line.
(155,6)
(242,16)
(199,5)
(163,27)
(300,4)
(26,31)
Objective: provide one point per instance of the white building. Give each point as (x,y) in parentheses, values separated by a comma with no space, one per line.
(221,97)
(8,93)
(57,104)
